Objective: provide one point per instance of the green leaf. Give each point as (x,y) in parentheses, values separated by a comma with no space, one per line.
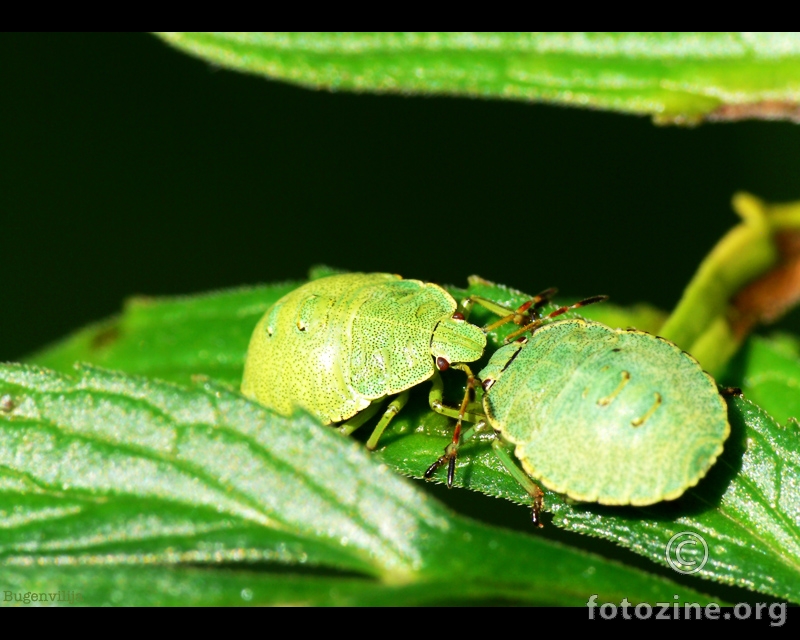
(172,338)
(752,542)
(768,371)
(128,490)
(676,77)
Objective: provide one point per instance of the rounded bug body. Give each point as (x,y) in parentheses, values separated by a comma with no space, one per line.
(336,344)
(619,417)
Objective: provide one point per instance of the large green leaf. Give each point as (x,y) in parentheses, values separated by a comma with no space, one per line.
(129,490)
(676,77)
(752,537)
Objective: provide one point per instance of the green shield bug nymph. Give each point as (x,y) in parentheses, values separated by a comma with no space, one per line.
(614,416)
(336,345)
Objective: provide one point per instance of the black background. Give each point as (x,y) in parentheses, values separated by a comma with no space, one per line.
(127,167)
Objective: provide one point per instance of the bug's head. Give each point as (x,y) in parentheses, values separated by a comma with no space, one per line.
(456,340)
(500,359)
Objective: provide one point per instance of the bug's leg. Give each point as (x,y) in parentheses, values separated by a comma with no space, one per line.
(465,437)
(451,450)
(436,402)
(520,476)
(392,410)
(346,428)
(540,321)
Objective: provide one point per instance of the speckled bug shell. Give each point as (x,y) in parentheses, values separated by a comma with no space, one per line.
(334,345)
(606,415)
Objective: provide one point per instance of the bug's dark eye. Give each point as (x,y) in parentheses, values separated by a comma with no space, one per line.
(521,339)
(458,316)
(442,364)
(487,384)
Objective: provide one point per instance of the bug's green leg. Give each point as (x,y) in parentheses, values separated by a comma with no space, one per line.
(436,402)
(520,476)
(481,427)
(346,428)
(391,411)
(451,450)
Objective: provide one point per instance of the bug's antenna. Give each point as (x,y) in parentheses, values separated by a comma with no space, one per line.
(542,299)
(540,321)
(522,313)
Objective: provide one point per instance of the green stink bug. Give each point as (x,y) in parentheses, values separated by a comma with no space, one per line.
(337,346)
(614,416)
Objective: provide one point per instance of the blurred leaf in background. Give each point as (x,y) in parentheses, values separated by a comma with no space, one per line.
(675,77)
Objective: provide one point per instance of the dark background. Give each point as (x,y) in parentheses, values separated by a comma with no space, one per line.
(127,167)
